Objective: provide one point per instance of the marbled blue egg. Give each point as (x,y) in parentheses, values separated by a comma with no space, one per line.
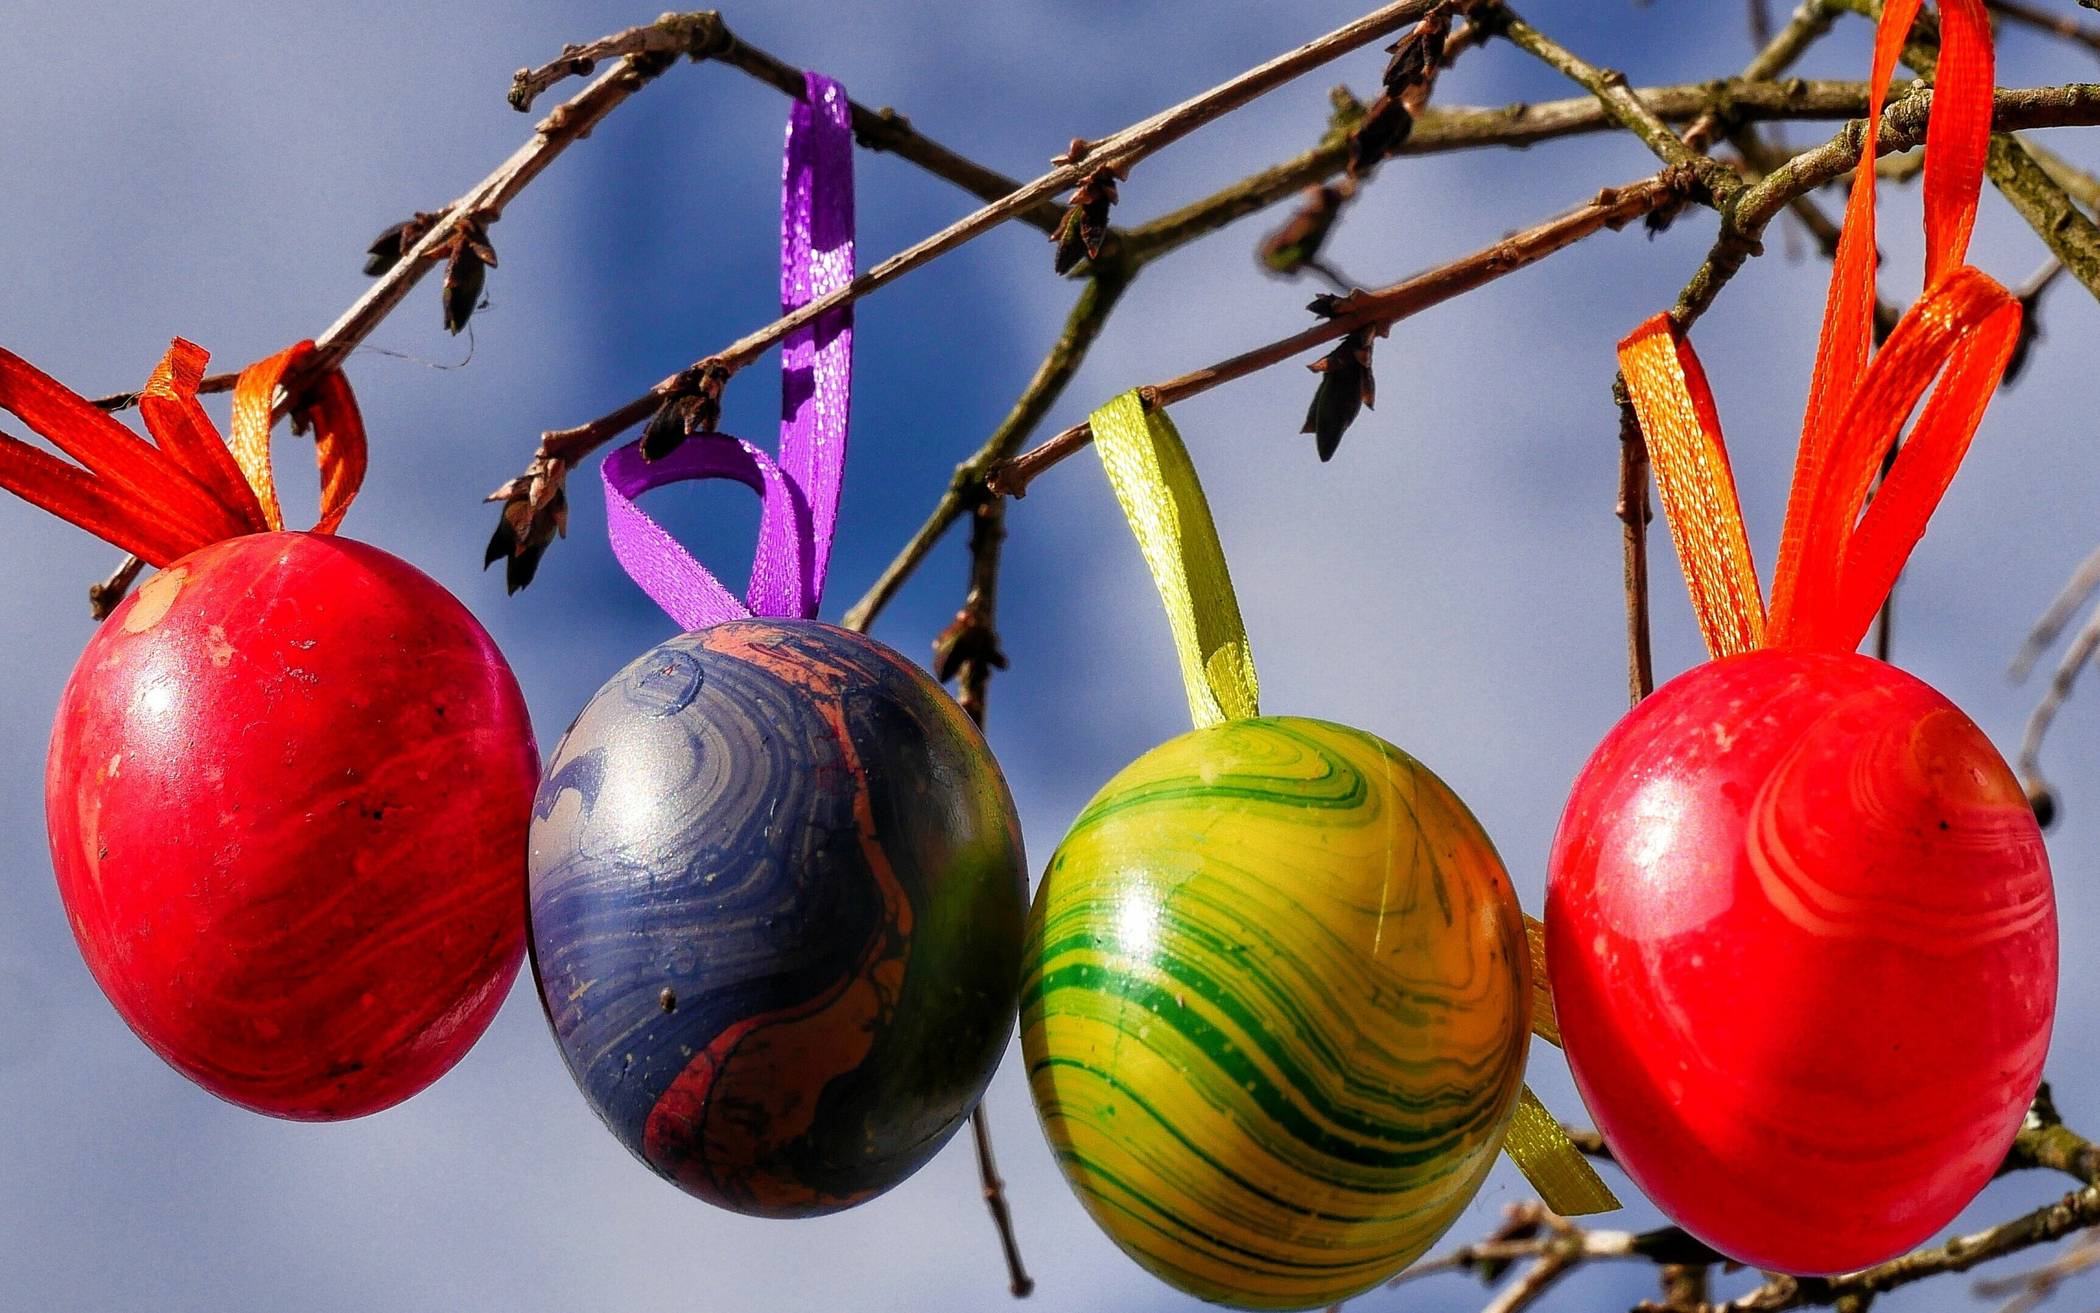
(777,898)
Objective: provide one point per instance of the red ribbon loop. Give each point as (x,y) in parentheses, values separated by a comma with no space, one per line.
(1836,565)
(164,499)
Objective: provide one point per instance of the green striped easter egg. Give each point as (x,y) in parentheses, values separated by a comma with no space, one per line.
(1275,1011)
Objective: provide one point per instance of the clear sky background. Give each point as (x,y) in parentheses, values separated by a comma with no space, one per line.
(1450,581)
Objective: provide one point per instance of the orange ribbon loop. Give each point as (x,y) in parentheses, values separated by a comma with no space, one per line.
(164,499)
(1683,430)
(177,421)
(339,435)
(1836,566)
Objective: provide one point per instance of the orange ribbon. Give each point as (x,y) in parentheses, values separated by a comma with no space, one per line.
(1837,565)
(187,488)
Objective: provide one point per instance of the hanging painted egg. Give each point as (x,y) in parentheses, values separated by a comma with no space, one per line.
(1803,946)
(777,895)
(1276,1010)
(287,794)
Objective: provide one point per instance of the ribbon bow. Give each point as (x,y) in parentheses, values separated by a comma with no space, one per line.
(1837,565)
(798,493)
(1149,467)
(187,488)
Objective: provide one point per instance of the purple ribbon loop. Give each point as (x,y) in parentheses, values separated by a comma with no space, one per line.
(798,493)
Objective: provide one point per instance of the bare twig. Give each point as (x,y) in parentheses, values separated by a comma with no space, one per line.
(1019,1283)
(2083,582)
(2028,764)
(1619,100)
(2073,1213)
(2027,1290)
(704,36)
(482,204)
(1089,315)
(1760,21)
(1761,158)
(1441,129)
(967,652)
(1123,148)
(570,122)
(2082,186)
(1552,1246)
(1435,130)
(1614,207)
(1634,515)
(2062,25)
(104,596)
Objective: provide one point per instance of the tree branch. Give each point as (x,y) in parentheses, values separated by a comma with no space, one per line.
(2034,16)
(1553,1245)
(1634,515)
(1612,208)
(1442,129)
(570,122)
(1120,149)
(1104,287)
(1610,88)
(704,36)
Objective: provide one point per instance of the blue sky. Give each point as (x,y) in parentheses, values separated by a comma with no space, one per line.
(1450,581)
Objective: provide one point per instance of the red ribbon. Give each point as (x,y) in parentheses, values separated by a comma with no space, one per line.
(1837,565)
(187,488)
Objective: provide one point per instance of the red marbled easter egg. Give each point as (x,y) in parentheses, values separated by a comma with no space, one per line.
(287,794)
(1802,940)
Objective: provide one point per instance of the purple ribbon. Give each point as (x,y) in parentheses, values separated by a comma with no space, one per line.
(798,494)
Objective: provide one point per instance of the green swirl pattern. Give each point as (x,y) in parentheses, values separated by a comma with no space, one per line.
(1275,1010)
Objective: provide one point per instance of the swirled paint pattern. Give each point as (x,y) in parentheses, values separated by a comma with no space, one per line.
(287,794)
(1803,946)
(1275,1010)
(776,907)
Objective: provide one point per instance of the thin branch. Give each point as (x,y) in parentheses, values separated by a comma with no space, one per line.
(1082,327)
(1634,515)
(1451,128)
(1018,1282)
(967,651)
(1122,149)
(1760,21)
(2034,16)
(1610,88)
(1437,129)
(704,36)
(1760,156)
(2028,1289)
(2083,186)
(1531,1284)
(2028,764)
(2083,582)
(2073,1213)
(1612,208)
(570,122)
(104,596)
(1553,1245)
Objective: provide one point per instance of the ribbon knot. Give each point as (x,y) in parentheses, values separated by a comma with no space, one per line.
(1839,555)
(188,488)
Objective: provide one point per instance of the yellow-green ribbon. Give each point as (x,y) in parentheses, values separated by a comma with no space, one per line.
(1155,481)
(1150,470)
(1549,1160)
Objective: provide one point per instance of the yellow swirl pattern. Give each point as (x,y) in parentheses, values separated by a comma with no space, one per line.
(1275,1012)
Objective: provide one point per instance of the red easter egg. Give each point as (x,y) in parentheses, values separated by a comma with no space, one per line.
(287,794)
(1802,940)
